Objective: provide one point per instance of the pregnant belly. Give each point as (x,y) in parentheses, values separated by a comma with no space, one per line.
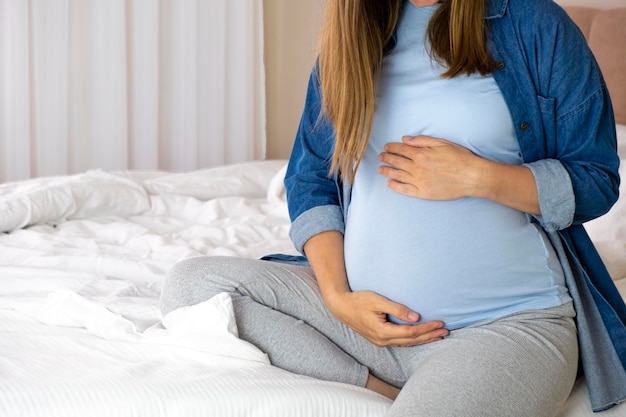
(461,261)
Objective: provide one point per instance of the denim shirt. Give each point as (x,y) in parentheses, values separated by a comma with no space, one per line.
(565,126)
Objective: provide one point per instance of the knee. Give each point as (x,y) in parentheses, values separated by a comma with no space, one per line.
(176,285)
(190,281)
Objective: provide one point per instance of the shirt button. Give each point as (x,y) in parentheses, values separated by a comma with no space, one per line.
(524,126)
(499,65)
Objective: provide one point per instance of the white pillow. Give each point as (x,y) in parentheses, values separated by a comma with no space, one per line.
(245,179)
(609,231)
(621,140)
(56,199)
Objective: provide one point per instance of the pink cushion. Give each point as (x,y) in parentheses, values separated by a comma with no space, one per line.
(605,31)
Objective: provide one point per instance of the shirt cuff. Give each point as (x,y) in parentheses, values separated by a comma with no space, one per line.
(315,221)
(556,194)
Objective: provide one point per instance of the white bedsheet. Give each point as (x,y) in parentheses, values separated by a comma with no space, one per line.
(80,277)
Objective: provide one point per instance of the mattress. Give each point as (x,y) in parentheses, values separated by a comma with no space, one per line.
(82,260)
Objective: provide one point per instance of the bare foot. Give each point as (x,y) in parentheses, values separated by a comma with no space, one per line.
(381,387)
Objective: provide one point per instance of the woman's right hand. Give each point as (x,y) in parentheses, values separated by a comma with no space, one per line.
(364,311)
(367,313)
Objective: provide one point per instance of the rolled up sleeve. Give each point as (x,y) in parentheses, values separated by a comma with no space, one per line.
(315,221)
(556,194)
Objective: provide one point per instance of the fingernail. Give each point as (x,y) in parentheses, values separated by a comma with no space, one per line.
(413,316)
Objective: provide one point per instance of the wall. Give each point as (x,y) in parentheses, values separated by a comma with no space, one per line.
(291,28)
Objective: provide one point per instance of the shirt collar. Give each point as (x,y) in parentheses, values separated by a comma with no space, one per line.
(495,9)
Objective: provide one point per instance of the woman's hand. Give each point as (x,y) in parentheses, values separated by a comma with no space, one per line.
(366,312)
(430,168)
(437,169)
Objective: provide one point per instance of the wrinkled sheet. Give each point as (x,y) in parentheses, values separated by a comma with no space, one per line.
(80,277)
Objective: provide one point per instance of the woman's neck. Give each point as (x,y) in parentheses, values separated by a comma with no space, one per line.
(423,3)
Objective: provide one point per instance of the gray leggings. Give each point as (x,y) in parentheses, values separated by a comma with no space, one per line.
(520,365)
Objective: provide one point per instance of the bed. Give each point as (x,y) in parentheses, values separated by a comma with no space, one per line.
(82,259)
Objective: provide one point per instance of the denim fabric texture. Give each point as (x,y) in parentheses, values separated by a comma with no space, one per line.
(565,125)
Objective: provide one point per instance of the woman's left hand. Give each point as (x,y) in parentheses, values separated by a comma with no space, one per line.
(431,168)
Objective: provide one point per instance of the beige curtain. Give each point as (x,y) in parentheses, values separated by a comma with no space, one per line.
(129,84)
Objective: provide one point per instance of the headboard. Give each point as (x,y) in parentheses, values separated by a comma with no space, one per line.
(605,31)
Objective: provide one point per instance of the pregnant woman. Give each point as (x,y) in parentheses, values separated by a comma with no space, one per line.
(447,156)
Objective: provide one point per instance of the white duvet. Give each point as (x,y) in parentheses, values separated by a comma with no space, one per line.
(81,265)
(80,278)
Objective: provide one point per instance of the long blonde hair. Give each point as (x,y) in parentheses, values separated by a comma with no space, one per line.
(353,36)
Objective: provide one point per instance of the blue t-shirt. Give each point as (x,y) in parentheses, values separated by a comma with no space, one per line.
(462,261)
